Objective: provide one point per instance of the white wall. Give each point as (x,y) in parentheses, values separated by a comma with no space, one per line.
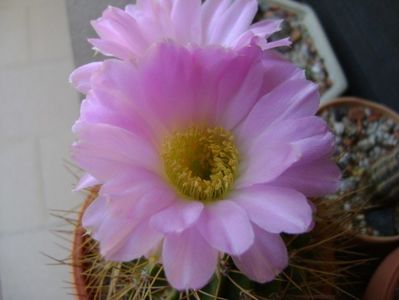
(37,109)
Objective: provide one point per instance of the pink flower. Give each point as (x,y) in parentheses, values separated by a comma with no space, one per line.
(127,34)
(201,152)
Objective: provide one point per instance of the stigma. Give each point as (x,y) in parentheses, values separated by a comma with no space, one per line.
(200,162)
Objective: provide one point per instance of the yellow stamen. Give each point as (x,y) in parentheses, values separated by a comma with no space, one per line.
(201,162)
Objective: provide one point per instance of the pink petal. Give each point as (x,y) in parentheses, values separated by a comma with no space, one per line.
(154,20)
(188,260)
(266,28)
(276,209)
(94,214)
(114,112)
(280,43)
(291,99)
(316,146)
(240,104)
(121,223)
(233,22)
(186,19)
(212,11)
(297,129)
(127,29)
(119,29)
(177,217)
(112,235)
(85,182)
(118,94)
(313,178)
(184,92)
(266,258)
(80,78)
(105,151)
(259,31)
(111,49)
(242,13)
(140,241)
(287,141)
(288,131)
(141,201)
(133,179)
(170,69)
(278,70)
(226,227)
(265,162)
(239,86)
(111,232)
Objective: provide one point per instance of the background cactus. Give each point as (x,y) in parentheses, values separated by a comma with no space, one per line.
(382,179)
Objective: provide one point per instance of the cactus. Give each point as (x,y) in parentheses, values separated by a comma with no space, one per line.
(315,270)
(382,179)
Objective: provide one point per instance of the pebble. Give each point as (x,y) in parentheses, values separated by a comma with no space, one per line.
(339,128)
(303,51)
(344,159)
(360,217)
(296,35)
(362,136)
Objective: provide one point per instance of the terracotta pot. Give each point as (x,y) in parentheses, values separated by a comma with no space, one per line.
(385,111)
(78,249)
(385,281)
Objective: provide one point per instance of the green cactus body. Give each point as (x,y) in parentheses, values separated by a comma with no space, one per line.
(383,179)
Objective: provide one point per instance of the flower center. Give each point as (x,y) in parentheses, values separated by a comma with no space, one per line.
(201,162)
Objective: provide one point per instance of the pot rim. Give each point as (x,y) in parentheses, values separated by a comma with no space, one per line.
(77,276)
(380,283)
(356,101)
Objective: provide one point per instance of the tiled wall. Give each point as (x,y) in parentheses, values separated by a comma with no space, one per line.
(37,109)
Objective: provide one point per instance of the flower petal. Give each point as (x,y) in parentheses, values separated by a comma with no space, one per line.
(212,11)
(244,98)
(126,28)
(141,202)
(110,48)
(105,151)
(276,209)
(113,234)
(80,78)
(188,260)
(116,98)
(266,162)
(93,110)
(139,242)
(259,32)
(313,178)
(316,146)
(94,214)
(233,22)
(85,182)
(121,224)
(186,19)
(292,99)
(288,142)
(133,179)
(289,131)
(177,217)
(120,34)
(226,227)
(266,258)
